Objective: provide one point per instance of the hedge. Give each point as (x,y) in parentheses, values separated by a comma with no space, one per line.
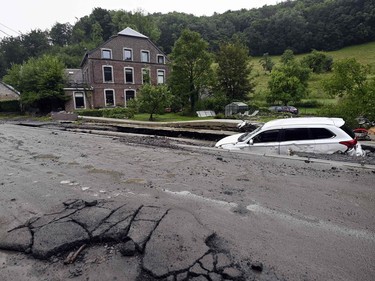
(10,106)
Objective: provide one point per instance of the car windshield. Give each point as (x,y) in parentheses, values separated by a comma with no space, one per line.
(248,134)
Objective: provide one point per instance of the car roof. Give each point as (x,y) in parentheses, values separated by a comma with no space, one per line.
(338,122)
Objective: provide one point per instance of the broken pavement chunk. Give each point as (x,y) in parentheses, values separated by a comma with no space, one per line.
(19,239)
(182,239)
(66,235)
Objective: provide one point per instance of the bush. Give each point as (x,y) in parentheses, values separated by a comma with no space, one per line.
(215,102)
(318,62)
(90,112)
(219,116)
(118,112)
(308,104)
(10,106)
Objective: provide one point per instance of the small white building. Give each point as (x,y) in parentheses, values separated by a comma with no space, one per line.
(235,108)
(7,92)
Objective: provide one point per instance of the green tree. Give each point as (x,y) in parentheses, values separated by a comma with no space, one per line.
(266,62)
(103,18)
(145,24)
(61,34)
(318,62)
(12,52)
(40,82)
(36,43)
(171,26)
(233,72)
(97,33)
(356,92)
(349,78)
(288,83)
(153,99)
(191,69)
(287,56)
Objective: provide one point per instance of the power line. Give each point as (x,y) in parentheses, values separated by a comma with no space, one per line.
(10,29)
(5,33)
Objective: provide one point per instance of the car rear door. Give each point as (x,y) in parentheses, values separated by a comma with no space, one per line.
(325,141)
(296,140)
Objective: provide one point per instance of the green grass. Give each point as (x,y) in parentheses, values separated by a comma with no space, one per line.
(364,54)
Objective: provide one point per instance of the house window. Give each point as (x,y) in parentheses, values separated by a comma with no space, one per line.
(128,54)
(145,56)
(161,76)
(109,97)
(107,74)
(161,59)
(106,54)
(129,94)
(146,79)
(79,100)
(129,77)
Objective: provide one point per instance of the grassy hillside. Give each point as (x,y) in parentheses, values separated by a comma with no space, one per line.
(364,54)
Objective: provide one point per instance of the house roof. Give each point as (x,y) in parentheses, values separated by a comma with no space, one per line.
(7,92)
(125,32)
(10,88)
(74,75)
(131,32)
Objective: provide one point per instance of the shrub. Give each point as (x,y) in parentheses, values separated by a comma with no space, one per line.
(318,62)
(308,104)
(90,112)
(118,112)
(10,106)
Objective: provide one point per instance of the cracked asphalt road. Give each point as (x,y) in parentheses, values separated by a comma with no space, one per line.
(148,212)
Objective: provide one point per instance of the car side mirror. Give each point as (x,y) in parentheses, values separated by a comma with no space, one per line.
(251,141)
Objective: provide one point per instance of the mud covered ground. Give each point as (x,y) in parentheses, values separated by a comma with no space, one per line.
(302,220)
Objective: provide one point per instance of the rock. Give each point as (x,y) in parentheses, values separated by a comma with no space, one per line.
(128,249)
(91,203)
(257,266)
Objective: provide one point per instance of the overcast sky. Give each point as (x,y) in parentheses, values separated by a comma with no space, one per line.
(22,16)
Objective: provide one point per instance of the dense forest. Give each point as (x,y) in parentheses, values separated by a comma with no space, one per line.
(299,25)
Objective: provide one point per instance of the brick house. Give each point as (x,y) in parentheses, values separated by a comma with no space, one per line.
(111,74)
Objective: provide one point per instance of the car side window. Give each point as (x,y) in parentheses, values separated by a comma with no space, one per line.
(267,136)
(321,133)
(293,134)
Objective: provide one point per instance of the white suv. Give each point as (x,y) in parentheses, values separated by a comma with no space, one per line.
(285,136)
